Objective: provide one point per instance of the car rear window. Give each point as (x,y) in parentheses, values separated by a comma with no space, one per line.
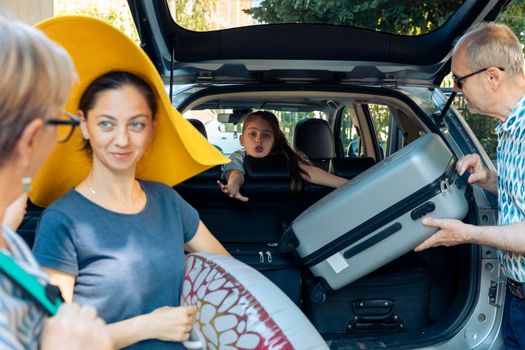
(225,136)
(392,16)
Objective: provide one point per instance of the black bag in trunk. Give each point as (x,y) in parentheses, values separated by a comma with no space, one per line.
(391,301)
(250,235)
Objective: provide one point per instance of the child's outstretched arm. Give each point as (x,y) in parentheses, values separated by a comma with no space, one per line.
(320,177)
(232,188)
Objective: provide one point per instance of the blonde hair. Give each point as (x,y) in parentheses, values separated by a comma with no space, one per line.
(493,45)
(35,80)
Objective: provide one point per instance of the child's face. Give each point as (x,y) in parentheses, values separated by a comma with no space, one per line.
(257,138)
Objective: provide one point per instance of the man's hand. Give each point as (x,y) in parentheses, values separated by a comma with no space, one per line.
(75,327)
(450,232)
(479,175)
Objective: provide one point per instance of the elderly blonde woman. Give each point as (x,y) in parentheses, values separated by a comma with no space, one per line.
(36,79)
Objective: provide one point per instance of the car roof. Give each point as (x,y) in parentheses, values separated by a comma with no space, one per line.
(300,52)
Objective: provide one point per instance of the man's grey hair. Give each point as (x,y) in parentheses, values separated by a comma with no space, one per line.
(493,45)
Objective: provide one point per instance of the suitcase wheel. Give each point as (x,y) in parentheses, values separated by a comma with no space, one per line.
(318,294)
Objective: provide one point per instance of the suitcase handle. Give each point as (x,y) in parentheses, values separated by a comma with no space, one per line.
(373,309)
(375,315)
(422,210)
(378,237)
(462,180)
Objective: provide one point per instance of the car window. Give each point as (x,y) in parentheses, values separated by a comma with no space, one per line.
(225,136)
(399,17)
(349,135)
(380,115)
(484,127)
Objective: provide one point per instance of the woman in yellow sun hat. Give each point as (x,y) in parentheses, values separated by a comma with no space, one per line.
(117,239)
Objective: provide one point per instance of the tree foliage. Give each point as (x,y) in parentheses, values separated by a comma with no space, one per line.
(194,14)
(514,17)
(115,12)
(395,16)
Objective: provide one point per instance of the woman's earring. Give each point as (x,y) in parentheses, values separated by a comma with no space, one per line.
(27,183)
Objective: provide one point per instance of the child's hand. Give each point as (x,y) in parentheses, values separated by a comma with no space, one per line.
(232,190)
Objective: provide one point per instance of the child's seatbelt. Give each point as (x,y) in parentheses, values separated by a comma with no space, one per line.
(48,297)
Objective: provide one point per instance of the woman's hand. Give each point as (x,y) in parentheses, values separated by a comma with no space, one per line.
(166,323)
(171,323)
(75,327)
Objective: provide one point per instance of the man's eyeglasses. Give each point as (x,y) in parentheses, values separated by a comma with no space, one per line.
(65,124)
(458,80)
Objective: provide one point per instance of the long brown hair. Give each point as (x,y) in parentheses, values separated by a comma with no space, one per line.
(281,146)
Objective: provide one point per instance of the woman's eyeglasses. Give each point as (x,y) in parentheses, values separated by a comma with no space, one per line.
(458,80)
(65,124)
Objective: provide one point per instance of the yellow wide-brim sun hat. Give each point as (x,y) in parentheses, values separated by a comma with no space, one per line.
(177,151)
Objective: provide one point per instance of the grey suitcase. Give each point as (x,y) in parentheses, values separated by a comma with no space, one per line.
(376,217)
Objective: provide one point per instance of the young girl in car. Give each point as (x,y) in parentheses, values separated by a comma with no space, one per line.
(261,136)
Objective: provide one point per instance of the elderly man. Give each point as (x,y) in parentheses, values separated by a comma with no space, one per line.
(488,67)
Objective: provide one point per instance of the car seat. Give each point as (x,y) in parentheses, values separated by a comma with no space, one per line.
(199,126)
(314,138)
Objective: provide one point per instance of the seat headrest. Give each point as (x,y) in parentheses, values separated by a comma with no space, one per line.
(271,167)
(211,175)
(314,138)
(199,126)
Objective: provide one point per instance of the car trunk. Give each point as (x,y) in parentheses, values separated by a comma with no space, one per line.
(418,299)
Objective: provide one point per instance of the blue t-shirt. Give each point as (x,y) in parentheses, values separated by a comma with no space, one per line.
(125,264)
